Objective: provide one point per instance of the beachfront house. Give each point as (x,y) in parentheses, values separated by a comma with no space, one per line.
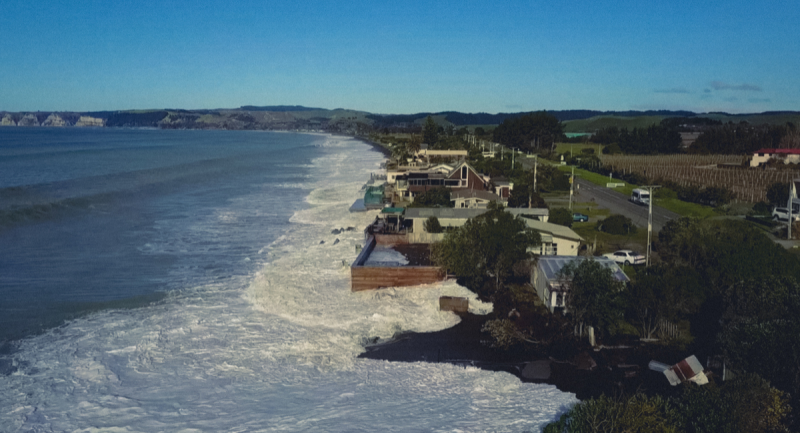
(409,223)
(427,154)
(475,199)
(552,289)
(557,240)
(502,187)
(412,183)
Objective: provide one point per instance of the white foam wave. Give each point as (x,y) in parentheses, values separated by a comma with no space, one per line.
(280,356)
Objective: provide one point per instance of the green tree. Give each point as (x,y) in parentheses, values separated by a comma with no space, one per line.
(746,404)
(486,247)
(760,329)
(593,294)
(430,132)
(664,293)
(432,225)
(561,216)
(414,144)
(714,249)
(638,413)
(778,194)
(530,132)
(435,197)
(617,225)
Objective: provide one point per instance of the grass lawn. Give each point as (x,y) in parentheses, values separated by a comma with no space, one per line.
(607,243)
(678,206)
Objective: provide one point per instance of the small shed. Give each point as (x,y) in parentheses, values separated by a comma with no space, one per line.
(545,278)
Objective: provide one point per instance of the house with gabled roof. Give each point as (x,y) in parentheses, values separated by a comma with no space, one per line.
(552,288)
(475,199)
(557,240)
(462,176)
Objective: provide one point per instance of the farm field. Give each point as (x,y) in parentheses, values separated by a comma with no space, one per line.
(747,184)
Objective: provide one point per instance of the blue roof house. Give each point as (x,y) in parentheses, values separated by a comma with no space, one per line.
(552,290)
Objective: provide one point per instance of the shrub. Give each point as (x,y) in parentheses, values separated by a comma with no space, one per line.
(612,149)
(617,225)
(761,208)
(778,193)
(560,216)
(436,197)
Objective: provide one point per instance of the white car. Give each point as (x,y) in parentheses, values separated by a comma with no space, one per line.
(782,214)
(626,257)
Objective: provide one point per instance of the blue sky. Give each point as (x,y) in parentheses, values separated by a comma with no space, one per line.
(401,56)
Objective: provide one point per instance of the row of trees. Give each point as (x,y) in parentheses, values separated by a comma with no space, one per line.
(715,137)
(652,140)
(531,132)
(740,138)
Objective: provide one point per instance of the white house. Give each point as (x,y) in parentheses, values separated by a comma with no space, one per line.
(557,240)
(475,199)
(788,156)
(456,217)
(553,290)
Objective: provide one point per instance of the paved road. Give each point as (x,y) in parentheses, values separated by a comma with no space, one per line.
(618,203)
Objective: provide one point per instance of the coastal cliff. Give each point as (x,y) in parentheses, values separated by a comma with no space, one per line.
(90,121)
(8,121)
(55,120)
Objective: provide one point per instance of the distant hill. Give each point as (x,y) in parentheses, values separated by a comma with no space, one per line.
(463,119)
(347,121)
(279,108)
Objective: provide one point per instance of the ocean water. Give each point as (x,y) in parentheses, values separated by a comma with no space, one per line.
(176,281)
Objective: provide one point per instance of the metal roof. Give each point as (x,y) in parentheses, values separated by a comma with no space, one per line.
(552,265)
(553,229)
(461,213)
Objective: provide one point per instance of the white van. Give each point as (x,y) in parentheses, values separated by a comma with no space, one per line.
(640,196)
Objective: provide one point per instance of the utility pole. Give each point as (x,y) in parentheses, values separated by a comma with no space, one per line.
(650,189)
(513,153)
(791,216)
(535,165)
(571,186)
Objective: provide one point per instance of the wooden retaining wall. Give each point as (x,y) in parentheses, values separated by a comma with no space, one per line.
(391,239)
(373,277)
(367,278)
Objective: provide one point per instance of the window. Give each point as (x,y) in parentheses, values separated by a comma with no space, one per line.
(464,172)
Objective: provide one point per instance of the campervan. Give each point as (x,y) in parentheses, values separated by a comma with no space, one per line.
(640,196)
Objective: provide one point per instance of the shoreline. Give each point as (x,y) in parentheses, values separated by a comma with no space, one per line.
(376,146)
(466,345)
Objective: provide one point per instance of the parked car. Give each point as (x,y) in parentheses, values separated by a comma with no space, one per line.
(782,213)
(626,257)
(580,217)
